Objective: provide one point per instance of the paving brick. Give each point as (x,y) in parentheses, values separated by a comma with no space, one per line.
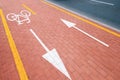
(76,76)
(109,78)
(85,76)
(102,72)
(70,68)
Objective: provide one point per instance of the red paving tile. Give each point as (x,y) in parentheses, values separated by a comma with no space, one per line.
(84,58)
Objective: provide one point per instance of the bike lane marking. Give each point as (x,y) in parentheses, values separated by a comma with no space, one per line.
(29,9)
(52,56)
(82,19)
(73,25)
(24,14)
(15,53)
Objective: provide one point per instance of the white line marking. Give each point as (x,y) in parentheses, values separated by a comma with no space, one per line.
(53,58)
(103,2)
(40,41)
(70,25)
(92,37)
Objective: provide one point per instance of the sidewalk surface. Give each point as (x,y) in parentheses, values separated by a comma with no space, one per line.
(86,51)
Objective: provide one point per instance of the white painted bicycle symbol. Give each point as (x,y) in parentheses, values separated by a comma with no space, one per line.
(23,16)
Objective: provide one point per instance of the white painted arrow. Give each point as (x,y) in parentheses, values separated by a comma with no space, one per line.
(52,57)
(70,24)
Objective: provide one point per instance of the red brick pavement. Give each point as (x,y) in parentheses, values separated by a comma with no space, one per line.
(84,58)
(7,65)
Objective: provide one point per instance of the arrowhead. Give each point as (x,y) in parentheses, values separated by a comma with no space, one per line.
(68,23)
(53,58)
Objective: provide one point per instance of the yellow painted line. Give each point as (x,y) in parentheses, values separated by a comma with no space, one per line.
(18,62)
(26,7)
(80,18)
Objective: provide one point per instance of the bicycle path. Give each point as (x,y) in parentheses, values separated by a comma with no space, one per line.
(83,57)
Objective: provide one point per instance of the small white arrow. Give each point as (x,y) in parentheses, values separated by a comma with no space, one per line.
(70,24)
(52,57)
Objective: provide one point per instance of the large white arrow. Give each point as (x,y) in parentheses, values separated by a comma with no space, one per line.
(70,24)
(52,57)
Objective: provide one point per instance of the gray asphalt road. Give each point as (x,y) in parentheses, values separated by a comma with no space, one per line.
(105,11)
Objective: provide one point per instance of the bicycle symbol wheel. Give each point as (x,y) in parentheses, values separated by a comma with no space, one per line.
(25,13)
(12,17)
